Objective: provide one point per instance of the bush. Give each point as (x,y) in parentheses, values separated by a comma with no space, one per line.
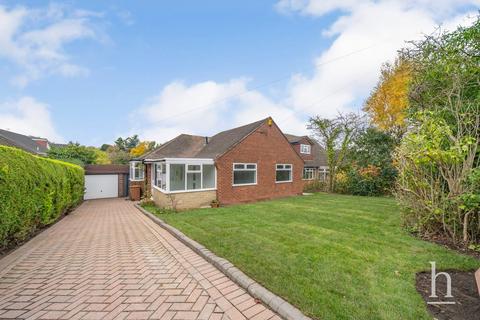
(315,186)
(34,192)
(366,181)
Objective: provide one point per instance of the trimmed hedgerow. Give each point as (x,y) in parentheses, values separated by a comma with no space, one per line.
(34,192)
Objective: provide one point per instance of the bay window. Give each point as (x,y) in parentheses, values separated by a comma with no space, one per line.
(136,170)
(244,174)
(184,176)
(283,173)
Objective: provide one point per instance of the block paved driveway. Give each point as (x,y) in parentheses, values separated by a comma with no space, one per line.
(106,260)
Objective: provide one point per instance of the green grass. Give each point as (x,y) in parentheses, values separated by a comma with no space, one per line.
(332,256)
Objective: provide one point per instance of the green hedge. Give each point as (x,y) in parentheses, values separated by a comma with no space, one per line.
(34,192)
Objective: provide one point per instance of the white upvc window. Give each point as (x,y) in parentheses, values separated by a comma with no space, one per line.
(283,173)
(136,171)
(244,174)
(305,148)
(159,175)
(176,176)
(309,173)
(323,173)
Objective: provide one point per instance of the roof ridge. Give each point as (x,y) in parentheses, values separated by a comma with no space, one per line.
(242,126)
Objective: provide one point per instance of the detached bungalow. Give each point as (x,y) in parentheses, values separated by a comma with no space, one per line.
(252,162)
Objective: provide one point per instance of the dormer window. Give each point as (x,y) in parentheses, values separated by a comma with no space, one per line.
(305,148)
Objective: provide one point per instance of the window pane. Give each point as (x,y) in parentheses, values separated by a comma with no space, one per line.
(283,175)
(288,166)
(251,166)
(177,177)
(194,181)
(208,176)
(243,177)
(193,167)
(239,166)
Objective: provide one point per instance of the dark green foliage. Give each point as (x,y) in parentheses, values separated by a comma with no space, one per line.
(73,153)
(370,171)
(34,192)
(105,147)
(446,69)
(127,143)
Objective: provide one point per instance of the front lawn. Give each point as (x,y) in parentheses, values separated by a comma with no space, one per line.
(332,256)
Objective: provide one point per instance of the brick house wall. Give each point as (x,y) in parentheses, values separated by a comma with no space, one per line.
(266,146)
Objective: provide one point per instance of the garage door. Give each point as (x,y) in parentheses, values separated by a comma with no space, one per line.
(101,186)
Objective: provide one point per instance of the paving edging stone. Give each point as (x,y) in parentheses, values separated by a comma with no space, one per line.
(274,302)
(477,278)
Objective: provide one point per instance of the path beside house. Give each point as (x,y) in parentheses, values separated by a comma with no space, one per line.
(106,260)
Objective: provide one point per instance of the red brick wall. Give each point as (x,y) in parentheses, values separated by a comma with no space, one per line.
(267,147)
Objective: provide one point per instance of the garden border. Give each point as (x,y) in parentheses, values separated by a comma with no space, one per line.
(274,302)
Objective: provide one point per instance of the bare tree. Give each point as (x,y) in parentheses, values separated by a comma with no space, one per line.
(335,137)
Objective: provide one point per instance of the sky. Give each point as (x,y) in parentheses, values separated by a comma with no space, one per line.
(91,71)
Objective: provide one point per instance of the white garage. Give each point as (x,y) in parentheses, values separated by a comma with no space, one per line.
(101,186)
(105,181)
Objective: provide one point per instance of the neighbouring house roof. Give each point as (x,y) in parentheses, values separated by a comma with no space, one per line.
(22,141)
(296,139)
(190,146)
(318,153)
(106,168)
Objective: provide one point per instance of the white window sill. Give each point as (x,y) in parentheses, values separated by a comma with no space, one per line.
(244,184)
(284,181)
(309,179)
(136,179)
(182,191)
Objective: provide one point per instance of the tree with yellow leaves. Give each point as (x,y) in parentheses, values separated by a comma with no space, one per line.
(142,148)
(388,102)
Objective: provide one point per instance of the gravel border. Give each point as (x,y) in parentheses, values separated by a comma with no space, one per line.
(274,302)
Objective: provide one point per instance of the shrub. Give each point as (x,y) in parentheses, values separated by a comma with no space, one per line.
(315,186)
(365,181)
(34,192)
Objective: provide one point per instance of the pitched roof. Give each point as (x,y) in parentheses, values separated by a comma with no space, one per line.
(21,141)
(190,146)
(319,154)
(225,140)
(182,146)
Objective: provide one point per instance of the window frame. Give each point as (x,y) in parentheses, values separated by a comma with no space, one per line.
(245,168)
(284,169)
(311,170)
(308,148)
(167,163)
(132,171)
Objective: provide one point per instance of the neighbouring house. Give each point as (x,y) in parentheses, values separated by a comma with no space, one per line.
(253,162)
(35,145)
(314,156)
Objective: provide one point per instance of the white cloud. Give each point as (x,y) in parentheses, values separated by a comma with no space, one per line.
(34,40)
(30,117)
(364,35)
(376,30)
(206,108)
